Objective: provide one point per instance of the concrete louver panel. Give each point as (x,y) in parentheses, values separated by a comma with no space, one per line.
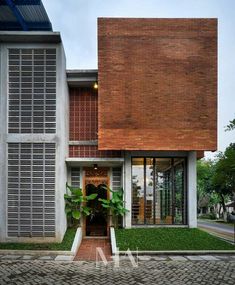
(32,91)
(75,177)
(31,190)
(116,178)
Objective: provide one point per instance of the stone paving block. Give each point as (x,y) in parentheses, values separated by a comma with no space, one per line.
(160,258)
(209,257)
(178,258)
(11,256)
(144,257)
(194,257)
(47,257)
(163,272)
(27,257)
(64,258)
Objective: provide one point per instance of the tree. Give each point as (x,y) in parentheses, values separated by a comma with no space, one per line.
(223,179)
(204,181)
(230,126)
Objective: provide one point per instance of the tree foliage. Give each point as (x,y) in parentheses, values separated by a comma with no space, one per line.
(216,179)
(230,126)
(75,204)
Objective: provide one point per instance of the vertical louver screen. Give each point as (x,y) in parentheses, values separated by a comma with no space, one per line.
(31,189)
(117,179)
(32,91)
(75,177)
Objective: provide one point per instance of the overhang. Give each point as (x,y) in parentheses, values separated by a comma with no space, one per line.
(81,77)
(29,37)
(89,162)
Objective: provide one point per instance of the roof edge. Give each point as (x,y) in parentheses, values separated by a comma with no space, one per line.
(30,36)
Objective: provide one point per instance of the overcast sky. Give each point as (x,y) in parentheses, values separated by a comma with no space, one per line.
(77,22)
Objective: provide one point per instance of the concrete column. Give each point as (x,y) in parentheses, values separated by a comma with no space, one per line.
(127,188)
(192,189)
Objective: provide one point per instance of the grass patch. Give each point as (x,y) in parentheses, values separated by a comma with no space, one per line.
(66,244)
(168,239)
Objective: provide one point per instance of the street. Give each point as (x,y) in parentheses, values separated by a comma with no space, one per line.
(221,230)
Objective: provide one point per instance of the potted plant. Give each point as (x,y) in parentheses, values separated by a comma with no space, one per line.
(115,204)
(75,204)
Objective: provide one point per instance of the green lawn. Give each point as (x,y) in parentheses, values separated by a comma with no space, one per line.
(168,239)
(66,244)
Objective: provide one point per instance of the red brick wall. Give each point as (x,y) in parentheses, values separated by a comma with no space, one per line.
(83,114)
(157,84)
(91,151)
(84,123)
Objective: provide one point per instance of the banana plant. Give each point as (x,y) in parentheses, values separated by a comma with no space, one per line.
(115,204)
(75,203)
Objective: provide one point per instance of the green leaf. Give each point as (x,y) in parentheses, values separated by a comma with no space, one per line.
(105,206)
(86,210)
(104,201)
(76,214)
(91,197)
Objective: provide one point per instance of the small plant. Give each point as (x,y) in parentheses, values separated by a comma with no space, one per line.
(75,204)
(115,205)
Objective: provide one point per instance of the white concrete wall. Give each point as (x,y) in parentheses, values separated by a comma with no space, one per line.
(62,132)
(192,189)
(127,182)
(61,138)
(3,145)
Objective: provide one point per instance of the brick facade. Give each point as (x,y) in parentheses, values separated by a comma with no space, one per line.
(157,84)
(83,114)
(91,151)
(84,123)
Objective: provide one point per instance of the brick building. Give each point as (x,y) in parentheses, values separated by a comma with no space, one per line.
(153,114)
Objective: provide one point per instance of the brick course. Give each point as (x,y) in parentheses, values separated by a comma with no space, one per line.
(157,84)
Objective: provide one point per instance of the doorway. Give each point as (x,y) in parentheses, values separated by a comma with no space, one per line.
(96,181)
(96,223)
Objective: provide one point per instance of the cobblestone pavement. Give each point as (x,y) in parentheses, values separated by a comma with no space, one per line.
(147,272)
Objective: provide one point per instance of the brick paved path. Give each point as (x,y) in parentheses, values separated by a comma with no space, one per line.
(147,272)
(87,249)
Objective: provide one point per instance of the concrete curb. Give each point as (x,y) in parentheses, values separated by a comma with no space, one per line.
(72,252)
(178,252)
(113,241)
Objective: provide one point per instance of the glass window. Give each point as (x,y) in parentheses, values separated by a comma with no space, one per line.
(158,191)
(138,203)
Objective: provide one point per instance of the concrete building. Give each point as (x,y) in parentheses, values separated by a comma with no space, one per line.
(153,114)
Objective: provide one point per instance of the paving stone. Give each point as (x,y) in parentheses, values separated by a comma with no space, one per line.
(160,258)
(178,258)
(10,256)
(64,258)
(47,257)
(209,257)
(165,272)
(27,257)
(194,257)
(144,257)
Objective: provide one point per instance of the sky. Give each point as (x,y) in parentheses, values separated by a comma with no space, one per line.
(76,20)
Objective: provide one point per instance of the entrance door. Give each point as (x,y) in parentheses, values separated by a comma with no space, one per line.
(96,223)
(95,181)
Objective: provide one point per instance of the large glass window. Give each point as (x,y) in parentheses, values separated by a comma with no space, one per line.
(158,191)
